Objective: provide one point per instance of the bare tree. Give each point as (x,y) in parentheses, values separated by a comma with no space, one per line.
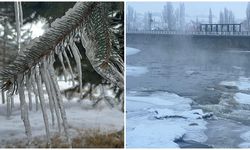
(210,16)
(226,16)
(182,16)
(221,20)
(248,15)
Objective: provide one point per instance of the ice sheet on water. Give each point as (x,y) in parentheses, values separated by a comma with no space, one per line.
(245,136)
(135,70)
(131,51)
(157,120)
(243,83)
(242,98)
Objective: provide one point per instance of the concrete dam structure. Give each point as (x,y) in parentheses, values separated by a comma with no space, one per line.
(205,41)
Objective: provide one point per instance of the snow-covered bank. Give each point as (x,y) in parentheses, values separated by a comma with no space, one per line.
(160,119)
(80,116)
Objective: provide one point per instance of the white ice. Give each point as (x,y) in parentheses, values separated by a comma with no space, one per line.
(242,98)
(245,136)
(144,130)
(243,83)
(135,70)
(131,51)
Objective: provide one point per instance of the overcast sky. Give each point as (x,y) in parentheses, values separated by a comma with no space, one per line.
(193,9)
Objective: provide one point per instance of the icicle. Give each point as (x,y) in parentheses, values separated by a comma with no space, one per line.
(78,64)
(122,95)
(3,97)
(59,99)
(28,86)
(45,80)
(55,102)
(73,41)
(43,105)
(64,70)
(17,16)
(33,84)
(71,55)
(70,68)
(24,108)
(21,14)
(12,102)
(8,104)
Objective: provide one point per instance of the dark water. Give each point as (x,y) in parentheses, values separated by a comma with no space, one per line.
(192,73)
(187,72)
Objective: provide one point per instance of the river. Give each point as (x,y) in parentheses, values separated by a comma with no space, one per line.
(196,74)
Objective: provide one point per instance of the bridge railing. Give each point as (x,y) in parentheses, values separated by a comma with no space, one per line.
(242,33)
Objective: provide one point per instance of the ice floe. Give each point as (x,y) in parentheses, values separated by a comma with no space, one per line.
(131,51)
(159,119)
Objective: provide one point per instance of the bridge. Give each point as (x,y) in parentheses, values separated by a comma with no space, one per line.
(204,33)
(210,40)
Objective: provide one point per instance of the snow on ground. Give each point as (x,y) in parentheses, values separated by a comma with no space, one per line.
(80,115)
(159,119)
(131,51)
(65,85)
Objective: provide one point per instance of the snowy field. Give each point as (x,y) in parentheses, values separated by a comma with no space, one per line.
(80,115)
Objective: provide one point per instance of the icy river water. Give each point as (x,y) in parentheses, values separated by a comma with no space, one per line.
(208,77)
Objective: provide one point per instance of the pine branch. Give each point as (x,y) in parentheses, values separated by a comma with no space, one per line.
(86,22)
(89,20)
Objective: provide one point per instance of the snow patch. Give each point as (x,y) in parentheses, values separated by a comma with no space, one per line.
(80,116)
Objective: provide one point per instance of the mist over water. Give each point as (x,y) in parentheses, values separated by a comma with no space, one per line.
(186,71)
(194,72)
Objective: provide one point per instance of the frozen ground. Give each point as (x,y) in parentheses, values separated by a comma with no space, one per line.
(80,115)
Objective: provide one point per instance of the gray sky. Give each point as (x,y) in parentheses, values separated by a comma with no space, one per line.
(193,9)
